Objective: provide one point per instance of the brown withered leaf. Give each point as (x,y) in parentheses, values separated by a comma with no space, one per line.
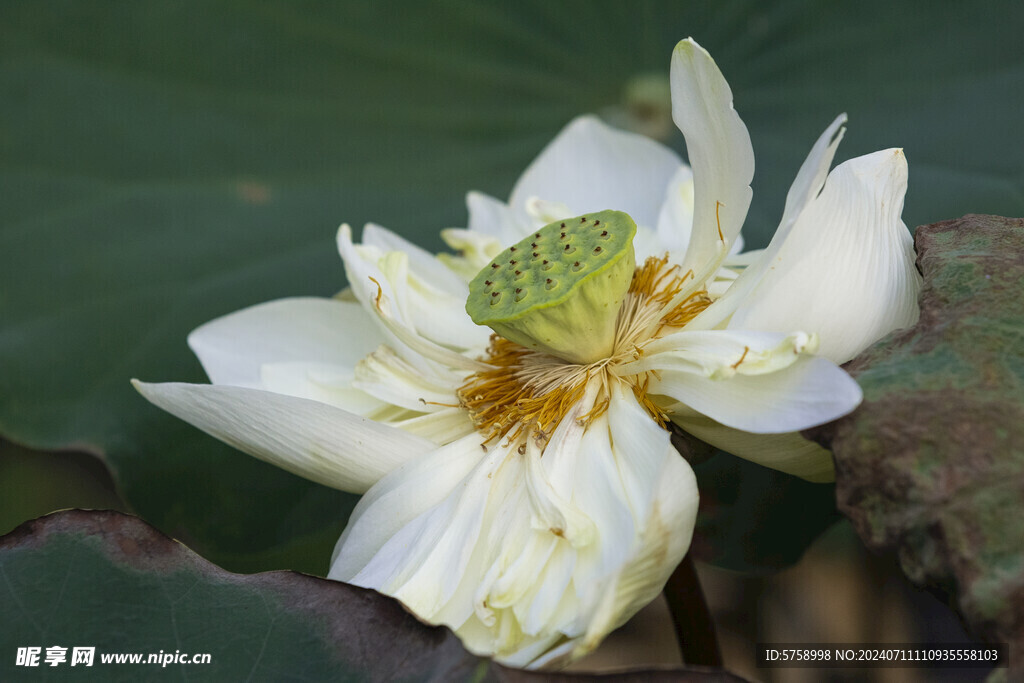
(110,581)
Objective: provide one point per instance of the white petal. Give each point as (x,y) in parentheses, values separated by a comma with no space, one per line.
(790,452)
(424,264)
(804,189)
(551,511)
(646,458)
(369,287)
(331,384)
(442,427)
(598,492)
(675,220)
(310,439)
(542,211)
(234,347)
(423,563)
(475,250)
(435,313)
(490,216)
(719,149)
(847,270)
(809,392)
(720,354)
(384,375)
(397,499)
(590,166)
(379,283)
(454,534)
(646,244)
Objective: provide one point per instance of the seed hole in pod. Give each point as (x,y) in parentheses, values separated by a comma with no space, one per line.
(604,234)
(536,254)
(512,262)
(577,267)
(511,249)
(546,265)
(519,275)
(597,250)
(495,266)
(533,244)
(569,249)
(537,236)
(488,283)
(495,298)
(597,223)
(563,225)
(583,219)
(550,284)
(520,295)
(562,236)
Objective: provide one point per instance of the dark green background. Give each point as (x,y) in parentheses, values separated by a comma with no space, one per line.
(165,163)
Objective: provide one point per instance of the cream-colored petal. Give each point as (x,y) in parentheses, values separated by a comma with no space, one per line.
(474,251)
(493,217)
(435,313)
(331,384)
(846,271)
(311,439)
(657,477)
(599,494)
(485,541)
(379,282)
(590,166)
(234,347)
(424,562)
(675,220)
(426,267)
(790,452)
(807,393)
(720,354)
(719,149)
(386,376)
(441,427)
(804,189)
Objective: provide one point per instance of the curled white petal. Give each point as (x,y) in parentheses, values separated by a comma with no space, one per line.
(720,354)
(424,265)
(805,187)
(378,281)
(311,439)
(805,393)
(719,149)
(846,271)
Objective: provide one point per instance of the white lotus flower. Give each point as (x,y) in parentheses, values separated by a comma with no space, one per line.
(530,498)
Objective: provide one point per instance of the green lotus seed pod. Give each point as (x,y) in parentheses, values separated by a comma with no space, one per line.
(560,290)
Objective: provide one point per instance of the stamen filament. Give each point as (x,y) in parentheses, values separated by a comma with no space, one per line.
(528,393)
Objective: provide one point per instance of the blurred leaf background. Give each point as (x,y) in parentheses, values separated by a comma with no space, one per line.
(165,163)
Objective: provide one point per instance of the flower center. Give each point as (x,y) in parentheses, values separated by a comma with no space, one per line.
(559,290)
(526,392)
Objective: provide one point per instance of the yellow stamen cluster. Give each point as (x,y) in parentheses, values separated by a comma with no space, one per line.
(527,393)
(502,399)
